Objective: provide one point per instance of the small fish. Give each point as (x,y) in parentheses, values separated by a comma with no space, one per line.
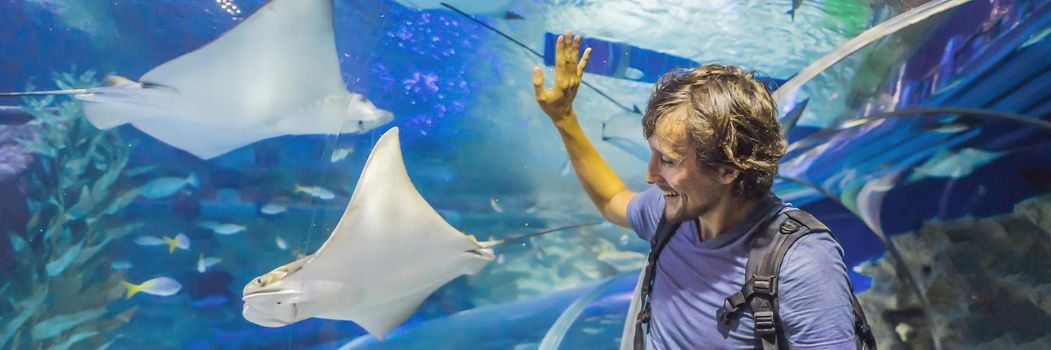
(222,228)
(180,241)
(167,186)
(281,244)
(795,6)
(316,192)
(951,128)
(204,263)
(120,265)
(633,73)
(495,203)
(512,15)
(160,286)
(273,209)
(341,154)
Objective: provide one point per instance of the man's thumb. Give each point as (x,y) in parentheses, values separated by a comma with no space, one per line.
(538,80)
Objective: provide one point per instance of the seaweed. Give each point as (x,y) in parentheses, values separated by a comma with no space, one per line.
(61,291)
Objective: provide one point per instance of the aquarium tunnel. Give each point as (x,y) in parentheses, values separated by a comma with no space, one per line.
(378,174)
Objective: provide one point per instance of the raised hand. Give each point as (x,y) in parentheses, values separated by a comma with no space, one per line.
(557,101)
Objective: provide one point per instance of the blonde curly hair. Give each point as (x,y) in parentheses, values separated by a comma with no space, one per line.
(729,119)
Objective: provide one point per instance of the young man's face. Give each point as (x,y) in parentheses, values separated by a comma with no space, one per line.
(690,188)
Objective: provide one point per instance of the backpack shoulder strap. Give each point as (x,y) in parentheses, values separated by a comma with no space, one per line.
(761,280)
(665,230)
(862,331)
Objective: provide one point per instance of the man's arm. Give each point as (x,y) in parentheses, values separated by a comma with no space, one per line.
(606,190)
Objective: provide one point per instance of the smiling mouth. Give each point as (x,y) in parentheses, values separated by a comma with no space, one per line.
(670,193)
(260,291)
(252,315)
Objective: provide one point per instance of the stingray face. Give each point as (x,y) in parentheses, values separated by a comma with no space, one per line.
(270,299)
(271,309)
(271,279)
(368,116)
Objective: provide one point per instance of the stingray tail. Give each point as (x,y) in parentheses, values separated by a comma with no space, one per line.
(489,244)
(48,92)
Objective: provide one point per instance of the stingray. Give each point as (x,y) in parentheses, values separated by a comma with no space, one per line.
(389,251)
(275,73)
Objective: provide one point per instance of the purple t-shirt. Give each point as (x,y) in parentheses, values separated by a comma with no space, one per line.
(693,278)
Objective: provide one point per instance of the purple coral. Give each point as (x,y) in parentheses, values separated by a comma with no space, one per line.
(14,158)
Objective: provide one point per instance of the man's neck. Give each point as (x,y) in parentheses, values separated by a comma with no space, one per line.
(725,215)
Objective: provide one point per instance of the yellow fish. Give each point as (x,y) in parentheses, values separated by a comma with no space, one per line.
(180,241)
(316,192)
(160,286)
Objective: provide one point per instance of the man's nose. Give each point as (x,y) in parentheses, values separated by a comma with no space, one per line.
(652,175)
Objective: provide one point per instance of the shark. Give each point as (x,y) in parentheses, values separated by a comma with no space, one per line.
(276,73)
(388,252)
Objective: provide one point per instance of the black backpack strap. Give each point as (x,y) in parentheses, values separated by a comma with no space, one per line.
(735,303)
(761,274)
(862,331)
(665,230)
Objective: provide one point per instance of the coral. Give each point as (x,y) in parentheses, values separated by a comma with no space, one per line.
(986,282)
(15,158)
(61,289)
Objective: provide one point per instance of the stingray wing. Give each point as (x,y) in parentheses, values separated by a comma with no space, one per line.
(276,61)
(203,141)
(386,211)
(390,245)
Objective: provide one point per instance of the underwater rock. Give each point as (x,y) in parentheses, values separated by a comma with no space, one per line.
(1038,211)
(985,282)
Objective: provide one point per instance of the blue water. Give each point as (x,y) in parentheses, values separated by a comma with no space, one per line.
(480,151)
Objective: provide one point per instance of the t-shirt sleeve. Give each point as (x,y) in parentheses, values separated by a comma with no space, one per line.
(815,305)
(644,211)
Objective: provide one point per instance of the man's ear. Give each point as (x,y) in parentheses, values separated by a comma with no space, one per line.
(728,174)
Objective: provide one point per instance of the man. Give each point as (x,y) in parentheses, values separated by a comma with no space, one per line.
(715,143)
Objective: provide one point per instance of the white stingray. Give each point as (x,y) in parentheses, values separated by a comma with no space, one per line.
(389,251)
(276,73)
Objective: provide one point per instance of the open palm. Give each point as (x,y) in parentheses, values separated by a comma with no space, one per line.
(557,101)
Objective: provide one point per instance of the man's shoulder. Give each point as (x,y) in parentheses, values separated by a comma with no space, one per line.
(817,235)
(814,255)
(644,211)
